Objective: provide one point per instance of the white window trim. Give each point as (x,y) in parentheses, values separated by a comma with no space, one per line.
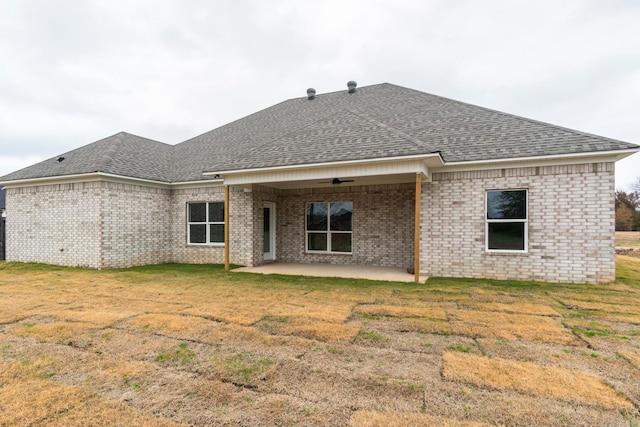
(491,221)
(328,232)
(206,223)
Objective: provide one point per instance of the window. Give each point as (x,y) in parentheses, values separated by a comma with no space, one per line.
(507,228)
(329,227)
(205,223)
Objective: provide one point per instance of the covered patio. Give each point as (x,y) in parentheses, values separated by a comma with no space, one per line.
(331,270)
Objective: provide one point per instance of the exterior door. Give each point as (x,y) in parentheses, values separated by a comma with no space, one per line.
(269,231)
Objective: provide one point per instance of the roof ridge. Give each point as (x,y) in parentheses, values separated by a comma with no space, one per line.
(109,153)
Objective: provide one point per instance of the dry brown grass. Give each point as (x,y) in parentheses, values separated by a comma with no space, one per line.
(401,311)
(633,358)
(525,377)
(193,345)
(515,308)
(317,330)
(628,239)
(397,419)
(487,324)
(602,306)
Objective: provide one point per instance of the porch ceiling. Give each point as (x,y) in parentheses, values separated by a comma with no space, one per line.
(345,181)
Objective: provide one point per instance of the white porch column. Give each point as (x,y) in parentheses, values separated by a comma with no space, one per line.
(416,243)
(227,242)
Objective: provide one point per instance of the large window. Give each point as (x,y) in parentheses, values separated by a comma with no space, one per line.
(507,228)
(205,223)
(329,227)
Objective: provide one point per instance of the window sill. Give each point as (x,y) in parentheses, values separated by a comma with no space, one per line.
(506,253)
(327,253)
(205,245)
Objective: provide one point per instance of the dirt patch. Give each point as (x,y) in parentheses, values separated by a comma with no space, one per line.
(525,377)
(630,252)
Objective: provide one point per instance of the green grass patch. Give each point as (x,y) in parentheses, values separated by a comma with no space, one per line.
(460,348)
(180,357)
(628,272)
(243,368)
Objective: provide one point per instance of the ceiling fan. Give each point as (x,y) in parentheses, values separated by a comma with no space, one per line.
(336,181)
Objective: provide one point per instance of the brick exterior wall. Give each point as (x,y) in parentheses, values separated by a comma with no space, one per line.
(55,224)
(135,225)
(571,224)
(383,218)
(105,225)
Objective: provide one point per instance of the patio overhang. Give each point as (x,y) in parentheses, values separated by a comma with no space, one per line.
(393,170)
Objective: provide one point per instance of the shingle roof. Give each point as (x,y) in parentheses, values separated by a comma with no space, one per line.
(120,154)
(376,121)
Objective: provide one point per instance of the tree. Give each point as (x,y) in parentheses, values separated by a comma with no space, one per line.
(628,209)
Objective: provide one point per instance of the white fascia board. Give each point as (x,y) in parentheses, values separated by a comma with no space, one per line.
(85,177)
(197,184)
(101,176)
(519,162)
(377,169)
(329,164)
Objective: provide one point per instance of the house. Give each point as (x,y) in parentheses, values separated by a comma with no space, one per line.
(3,216)
(380,175)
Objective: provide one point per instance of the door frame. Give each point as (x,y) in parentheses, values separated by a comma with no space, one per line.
(271,255)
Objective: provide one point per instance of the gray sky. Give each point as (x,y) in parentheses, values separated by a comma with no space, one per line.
(75,71)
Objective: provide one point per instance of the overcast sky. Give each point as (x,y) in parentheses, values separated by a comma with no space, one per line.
(75,71)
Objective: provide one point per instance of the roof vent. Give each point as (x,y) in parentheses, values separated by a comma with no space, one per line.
(59,159)
(352,86)
(311,93)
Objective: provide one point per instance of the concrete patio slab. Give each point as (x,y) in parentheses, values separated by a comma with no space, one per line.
(329,270)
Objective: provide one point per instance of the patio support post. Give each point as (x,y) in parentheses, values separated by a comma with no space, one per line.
(226,228)
(416,242)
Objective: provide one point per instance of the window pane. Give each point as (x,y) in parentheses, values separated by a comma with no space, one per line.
(197,212)
(341,214)
(317,216)
(216,212)
(197,233)
(216,233)
(506,235)
(340,242)
(317,241)
(507,204)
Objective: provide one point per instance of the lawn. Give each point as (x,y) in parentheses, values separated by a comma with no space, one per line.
(194,345)
(628,239)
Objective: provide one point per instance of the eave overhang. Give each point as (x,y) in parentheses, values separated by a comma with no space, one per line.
(377,167)
(102,176)
(520,162)
(372,171)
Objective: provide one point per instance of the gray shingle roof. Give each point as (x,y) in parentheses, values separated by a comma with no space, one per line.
(120,154)
(377,121)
